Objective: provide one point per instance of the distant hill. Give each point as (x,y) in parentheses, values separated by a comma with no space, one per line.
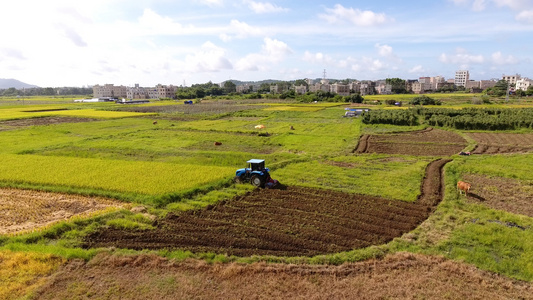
(13,83)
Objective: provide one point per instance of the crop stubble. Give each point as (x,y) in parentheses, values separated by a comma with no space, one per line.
(397,276)
(23,210)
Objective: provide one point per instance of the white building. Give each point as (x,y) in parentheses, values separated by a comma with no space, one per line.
(461,77)
(511,79)
(523,84)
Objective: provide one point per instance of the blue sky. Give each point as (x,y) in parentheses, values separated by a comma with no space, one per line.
(79,43)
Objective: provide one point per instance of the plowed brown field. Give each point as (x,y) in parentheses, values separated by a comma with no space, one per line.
(494,143)
(293,222)
(430,142)
(20,123)
(398,276)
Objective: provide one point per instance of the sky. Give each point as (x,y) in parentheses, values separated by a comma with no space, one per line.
(57,43)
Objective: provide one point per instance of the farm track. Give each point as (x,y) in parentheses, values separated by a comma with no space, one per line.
(293,222)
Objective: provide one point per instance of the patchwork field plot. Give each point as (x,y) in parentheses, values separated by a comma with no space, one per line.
(24,210)
(293,222)
(430,142)
(21,123)
(495,143)
(398,276)
(506,194)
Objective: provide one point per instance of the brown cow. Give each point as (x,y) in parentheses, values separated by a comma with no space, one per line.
(155,123)
(463,186)
(218,143)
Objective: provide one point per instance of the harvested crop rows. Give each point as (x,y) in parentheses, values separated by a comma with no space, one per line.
(495,143)
(293,222)
(397,276)
(23,210)
(430,142)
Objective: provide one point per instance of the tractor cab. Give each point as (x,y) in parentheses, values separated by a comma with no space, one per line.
(255,173)
(257,165)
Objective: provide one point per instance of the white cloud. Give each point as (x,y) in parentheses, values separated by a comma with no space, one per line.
(273,51)
(499,59)
(461,56)
(317,58)
(210,58)
(366,64)
(340,14)
(211,3)
(525,16)
(417,69)
(264,7)
(240,30)
(523,7)
(152,23)
(384,50)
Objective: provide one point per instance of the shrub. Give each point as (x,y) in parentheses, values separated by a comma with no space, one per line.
(424,100)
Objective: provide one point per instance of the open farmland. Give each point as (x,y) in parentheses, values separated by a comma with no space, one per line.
(292,222)
(337,206)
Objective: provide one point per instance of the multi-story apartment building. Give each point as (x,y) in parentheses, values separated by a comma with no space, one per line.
(319,87)
(384,89)
(300,89)
(367,88)
(416,87)
(109,90)
(136,92)
(165,91)
(461,77)
(435,81)
(523,84)
(511,79)
(341,89)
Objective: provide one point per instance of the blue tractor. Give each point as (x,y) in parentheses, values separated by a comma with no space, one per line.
(256,174)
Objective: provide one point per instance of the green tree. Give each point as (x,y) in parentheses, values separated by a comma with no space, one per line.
(301,82)
(424,100)
(529,90)
(398,85)
(498,90)
(356,98)
(229,87)
(264,88)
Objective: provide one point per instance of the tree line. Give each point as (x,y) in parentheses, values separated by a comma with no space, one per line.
(37,91)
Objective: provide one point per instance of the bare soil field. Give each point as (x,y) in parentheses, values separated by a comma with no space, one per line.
(21,123)
(397,276)
(428,142)
(495,143)
(293,222)
(24,210)
(502,193)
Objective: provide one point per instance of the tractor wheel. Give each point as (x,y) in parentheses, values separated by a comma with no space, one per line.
(238,179)
(257,181)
